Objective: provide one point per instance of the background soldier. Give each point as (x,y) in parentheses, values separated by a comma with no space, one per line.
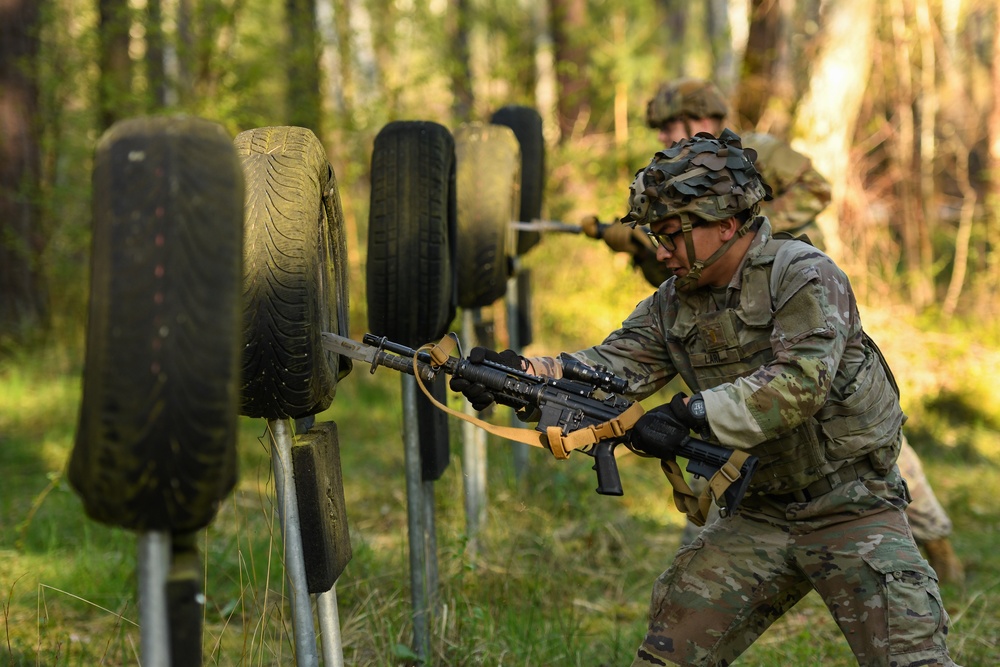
(679,110)
(767,332)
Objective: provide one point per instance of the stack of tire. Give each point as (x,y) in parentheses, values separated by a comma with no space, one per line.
(215,269)
(155,450)
(440,234)
(295,287)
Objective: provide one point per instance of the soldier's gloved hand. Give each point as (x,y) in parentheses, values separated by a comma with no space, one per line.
(477,394)
(658,433)
(692,413)
(592,227)
(622,238)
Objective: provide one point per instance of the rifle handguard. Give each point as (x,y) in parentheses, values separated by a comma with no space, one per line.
(559,444)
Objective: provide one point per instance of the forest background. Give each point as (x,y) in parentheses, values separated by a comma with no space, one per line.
(896,103)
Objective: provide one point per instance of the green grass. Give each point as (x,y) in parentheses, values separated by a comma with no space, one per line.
(562,575)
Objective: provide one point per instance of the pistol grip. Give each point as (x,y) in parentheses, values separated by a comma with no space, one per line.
(608,481)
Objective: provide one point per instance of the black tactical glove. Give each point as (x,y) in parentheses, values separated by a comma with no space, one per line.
(658,433)
(477,394)
(692,414)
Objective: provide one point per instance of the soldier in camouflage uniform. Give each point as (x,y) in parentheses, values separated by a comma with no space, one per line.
(684,107)
(766,331)
(679,110)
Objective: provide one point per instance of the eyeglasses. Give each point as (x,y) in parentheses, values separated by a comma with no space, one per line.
(666,239)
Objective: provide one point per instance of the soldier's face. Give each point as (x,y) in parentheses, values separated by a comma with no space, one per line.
(675,130)
(706,238)
(674,254)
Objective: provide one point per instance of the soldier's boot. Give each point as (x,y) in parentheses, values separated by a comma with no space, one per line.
(942,558)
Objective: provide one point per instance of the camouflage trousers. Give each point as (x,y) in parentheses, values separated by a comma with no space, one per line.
(852,545)
(928,519)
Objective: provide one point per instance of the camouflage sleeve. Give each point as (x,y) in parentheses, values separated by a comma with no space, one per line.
(800,203)
(815,318)
(800,192)
(636,352)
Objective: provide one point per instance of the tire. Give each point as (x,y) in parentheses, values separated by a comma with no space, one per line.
(294,276)
(411,233)
(156,444)
(525,326)
(432,428)
(527,126)
(488,199)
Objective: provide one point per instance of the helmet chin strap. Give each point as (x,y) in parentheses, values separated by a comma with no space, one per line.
(690,281)
(687,126)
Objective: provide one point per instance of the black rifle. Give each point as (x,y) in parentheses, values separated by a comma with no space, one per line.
(568,402)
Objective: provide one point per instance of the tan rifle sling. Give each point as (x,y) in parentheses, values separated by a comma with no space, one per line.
(553,439)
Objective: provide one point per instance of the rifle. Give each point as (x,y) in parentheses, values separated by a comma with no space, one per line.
(567,406)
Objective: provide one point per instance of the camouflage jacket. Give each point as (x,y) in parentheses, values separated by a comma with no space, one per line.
(779,356)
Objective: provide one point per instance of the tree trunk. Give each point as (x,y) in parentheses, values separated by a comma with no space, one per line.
(23,296)
(155,50)
(804,27)
(460,67)
(762,62)
(927,109)
(305,105)
(546,86)
(674,29)
(569,19)
(384,52)
(904,150)
(824,124)
(183,75)
(115,88)
(993,158)
(720,37)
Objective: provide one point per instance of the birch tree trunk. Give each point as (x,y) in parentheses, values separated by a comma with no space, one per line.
(825,122)
(720,37)
(332,51)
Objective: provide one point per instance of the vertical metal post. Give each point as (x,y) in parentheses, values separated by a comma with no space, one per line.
(416,507)
(291,535)
(329,628)
(473,450)
(514,333)
(153,565)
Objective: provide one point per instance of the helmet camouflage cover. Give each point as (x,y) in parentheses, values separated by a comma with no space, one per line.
(711,178)
(690,98)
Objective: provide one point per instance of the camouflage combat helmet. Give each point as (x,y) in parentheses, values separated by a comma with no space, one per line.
(685,98)
(702,177)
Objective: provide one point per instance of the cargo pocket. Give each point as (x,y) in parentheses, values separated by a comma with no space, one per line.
(917,619)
